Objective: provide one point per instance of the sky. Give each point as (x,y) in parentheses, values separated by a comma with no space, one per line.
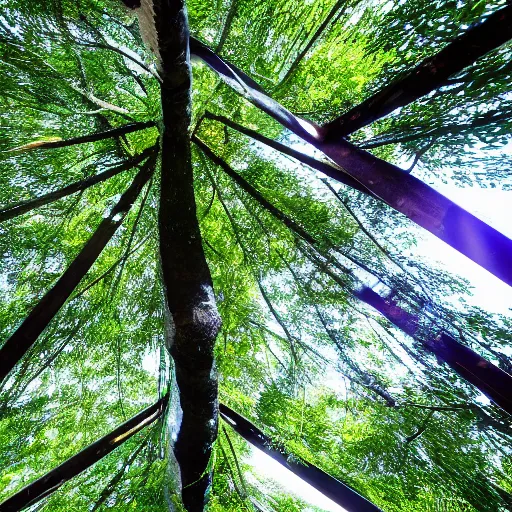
(493,206)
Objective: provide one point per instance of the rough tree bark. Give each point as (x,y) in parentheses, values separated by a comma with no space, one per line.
(186,276)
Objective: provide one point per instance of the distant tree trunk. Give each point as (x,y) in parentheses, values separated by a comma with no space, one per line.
(186,277)
(227,25)
(318,33)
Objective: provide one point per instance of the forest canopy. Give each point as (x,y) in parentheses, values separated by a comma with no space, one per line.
(222,204)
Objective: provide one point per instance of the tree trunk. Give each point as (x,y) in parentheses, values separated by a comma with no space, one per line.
(431,74)
(50,482)
(337,491)
(186,276)
(42,314)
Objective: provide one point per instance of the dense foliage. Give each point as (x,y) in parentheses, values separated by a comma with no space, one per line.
(326,377)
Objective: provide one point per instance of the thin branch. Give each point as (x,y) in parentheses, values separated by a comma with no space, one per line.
(318,33)
(419,154)
(329,169)
(240,473)
(422,428)
(111,486)
(94,137)
(106,46)
(287,221)
(279,320)
(443,408)
(370,236)
(14,210)
(240,492)
(115,289)
(495,117)
(110,269)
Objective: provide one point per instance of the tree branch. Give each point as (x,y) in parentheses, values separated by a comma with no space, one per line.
(326,168)
(405,193)
(337,491)
(49,305)
(75,465)
(15,210)
(429,75)
(318,33)
(422,429)
(94,137)
(227,25)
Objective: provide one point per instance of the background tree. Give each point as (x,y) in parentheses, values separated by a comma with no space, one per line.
(324,375)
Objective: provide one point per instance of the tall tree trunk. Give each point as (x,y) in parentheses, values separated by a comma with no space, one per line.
(429,75)
(81,461)
(186,276)
(42,314)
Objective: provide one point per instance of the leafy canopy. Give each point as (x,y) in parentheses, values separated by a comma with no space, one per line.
(329,380)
